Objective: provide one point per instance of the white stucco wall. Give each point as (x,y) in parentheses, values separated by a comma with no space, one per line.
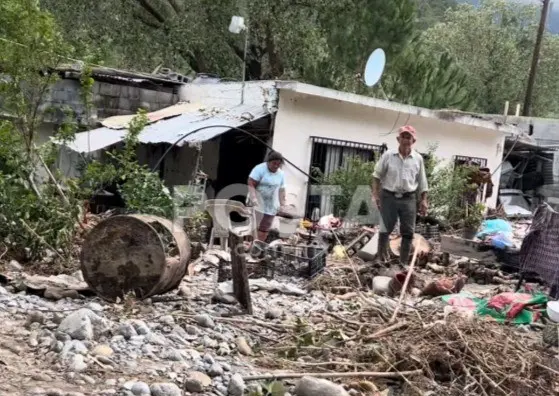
(301,116)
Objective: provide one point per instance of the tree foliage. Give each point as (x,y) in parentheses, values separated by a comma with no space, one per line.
(493,44)
(429,80)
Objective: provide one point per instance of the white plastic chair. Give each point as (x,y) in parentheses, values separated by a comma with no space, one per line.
(220,210)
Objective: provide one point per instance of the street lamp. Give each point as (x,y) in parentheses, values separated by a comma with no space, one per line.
(237,26)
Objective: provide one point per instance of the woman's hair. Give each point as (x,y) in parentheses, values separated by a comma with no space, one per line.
(274,156)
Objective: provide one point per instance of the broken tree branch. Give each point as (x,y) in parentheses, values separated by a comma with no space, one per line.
(406,282)
(372,374)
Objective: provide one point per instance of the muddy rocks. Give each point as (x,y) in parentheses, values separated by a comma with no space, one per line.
(205,321)
(127,330)
(237,386)
(155,339)
(102,350)
(140,389)
(196,381)
(172,354)
(77,363)
(273,313)
(141,327)
(215,370)
(309,386)
(167,320)
(15,266)
(78,325)
(165,389)
(83,324)
(243,347)
(35,317)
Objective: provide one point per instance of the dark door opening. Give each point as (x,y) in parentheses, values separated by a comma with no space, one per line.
(238,154)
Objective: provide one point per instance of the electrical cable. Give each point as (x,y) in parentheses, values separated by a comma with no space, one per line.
(235,129)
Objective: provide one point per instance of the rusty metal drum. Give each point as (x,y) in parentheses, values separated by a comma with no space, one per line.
(143,254)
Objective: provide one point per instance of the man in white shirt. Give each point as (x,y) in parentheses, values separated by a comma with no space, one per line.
(399,178)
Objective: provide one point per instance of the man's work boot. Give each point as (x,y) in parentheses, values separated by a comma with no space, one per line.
(405,249)
(382,250)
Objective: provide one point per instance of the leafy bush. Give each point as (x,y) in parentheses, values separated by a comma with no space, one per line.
(34,218)
(448,187)
(142,190)
(356,173)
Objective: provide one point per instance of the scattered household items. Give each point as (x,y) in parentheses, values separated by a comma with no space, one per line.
(517,308)
(220,211)
(514,204)
(553,311)
(497,232)
(428,231)
(369,250)
(365,237)
(147,255)
(539,252)
(444,286)
(281,258)
(392,285)
(330,222)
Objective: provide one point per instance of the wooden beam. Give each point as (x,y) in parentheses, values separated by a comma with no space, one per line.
(466,248)
(239,273)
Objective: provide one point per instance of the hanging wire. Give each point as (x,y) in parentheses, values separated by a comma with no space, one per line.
(156,166)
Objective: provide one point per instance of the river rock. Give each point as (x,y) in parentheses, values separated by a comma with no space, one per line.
(237,386)
(205,321)
(309,386)
(243,347)
(196,381)
(140,389)
(165,389)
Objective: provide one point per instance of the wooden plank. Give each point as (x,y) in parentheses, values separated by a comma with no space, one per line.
(466,248)
(239,273)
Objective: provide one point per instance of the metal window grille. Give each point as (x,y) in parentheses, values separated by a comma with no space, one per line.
(329,155)
(464,160)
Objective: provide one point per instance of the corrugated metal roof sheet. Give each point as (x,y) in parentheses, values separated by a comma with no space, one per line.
(171,129)
(121,122)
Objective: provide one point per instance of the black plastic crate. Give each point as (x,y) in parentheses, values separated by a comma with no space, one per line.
(292,260)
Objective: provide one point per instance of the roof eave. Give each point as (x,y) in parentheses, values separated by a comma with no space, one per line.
(443,115)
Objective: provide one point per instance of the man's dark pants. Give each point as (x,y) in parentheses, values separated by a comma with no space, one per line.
(393,207)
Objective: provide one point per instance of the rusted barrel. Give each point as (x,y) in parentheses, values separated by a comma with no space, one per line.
(144,254)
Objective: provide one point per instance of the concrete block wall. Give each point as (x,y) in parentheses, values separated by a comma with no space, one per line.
(109,99)
(112,99)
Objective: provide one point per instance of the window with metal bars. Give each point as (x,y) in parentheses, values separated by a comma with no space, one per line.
(328,155)
(464,160)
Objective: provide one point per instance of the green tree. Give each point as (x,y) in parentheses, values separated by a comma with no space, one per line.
(429,80)
(29,49)
(324,42)
(431,12)
(493,44)
(34,217)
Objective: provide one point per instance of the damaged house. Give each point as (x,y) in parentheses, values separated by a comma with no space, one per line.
(530,169)
(311,126)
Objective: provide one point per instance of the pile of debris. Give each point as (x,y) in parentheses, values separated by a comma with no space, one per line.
(427,351)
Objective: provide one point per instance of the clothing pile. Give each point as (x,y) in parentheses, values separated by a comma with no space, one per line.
(517,308)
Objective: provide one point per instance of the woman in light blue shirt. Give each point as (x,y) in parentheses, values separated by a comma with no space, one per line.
(266,191)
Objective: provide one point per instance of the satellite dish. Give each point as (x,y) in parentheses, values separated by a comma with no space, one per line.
(375,67)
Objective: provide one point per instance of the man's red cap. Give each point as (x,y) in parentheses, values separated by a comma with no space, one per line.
(408,129)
